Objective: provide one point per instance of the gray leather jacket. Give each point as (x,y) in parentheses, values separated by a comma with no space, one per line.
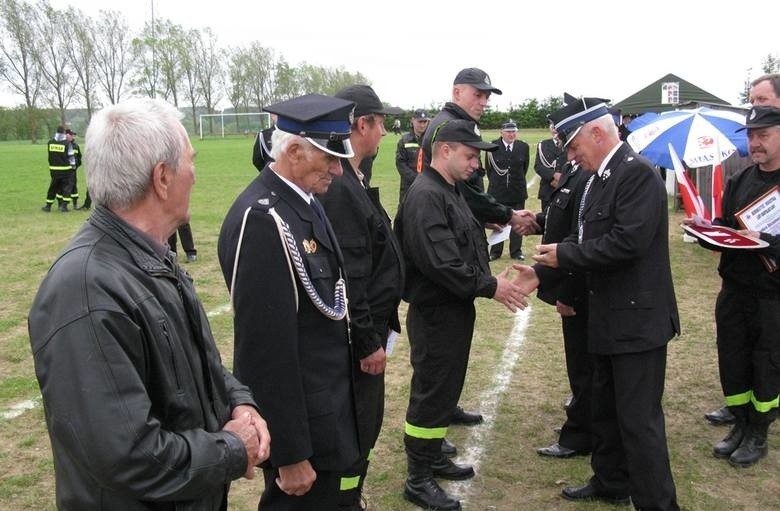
(133,387)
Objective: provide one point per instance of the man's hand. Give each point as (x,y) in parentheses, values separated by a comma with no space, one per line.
(374,363)
(526,278)
(564,310)
(555,180)
(494,227)
(523,221)
(547,255)
(251,429)
(296,479)
(509,293)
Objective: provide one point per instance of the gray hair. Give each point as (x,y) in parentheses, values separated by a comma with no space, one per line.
(123,144)
(281,139)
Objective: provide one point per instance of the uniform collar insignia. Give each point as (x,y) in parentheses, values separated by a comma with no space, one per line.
(263,202)
(309,247)
(605,175)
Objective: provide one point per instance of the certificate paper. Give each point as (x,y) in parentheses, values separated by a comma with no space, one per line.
(499,236)
(763,215)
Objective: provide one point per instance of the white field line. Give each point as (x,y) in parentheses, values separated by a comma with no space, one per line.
(532,182)
(479,436)
(222,309)
(19,408)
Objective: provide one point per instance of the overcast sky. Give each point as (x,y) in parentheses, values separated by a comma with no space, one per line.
(412,50)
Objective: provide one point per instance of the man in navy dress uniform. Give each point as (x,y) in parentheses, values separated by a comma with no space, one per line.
(284,270)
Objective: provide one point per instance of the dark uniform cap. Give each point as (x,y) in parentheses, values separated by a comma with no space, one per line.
(324,121)
(762,117)
(366,101)
(421,115)
(464,132)
(509,126)
(477,78)
(70,132)
(570,118)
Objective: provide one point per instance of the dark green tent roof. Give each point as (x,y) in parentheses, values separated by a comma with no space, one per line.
(650,98)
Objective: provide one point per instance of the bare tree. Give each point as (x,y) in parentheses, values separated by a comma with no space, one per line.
(169,41)
(113,46)
(18,68)
(51,58)
(261,73)
(237,89)
(189,72)
(145,69)
(81,52)
(208,57)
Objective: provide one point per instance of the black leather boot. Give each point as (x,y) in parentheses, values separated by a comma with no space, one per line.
(46,208)
(422,489)
(448,448)
(446,469)
(753,446)
(729,444)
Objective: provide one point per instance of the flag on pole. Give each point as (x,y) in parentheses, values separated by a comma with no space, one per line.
(690,195)
(717,183)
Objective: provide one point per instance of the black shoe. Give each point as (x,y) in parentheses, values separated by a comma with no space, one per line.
(518,257)
(726,447)
(557,430)
(556,450)
(463,417)
(46,208)
(720,416)
(752,449)
(64,208)
(588,492)
(448,448)
(493,257)
(191,258)
(446,469)
(427,494)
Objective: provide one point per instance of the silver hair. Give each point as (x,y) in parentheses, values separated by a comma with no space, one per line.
(123,144)
(607,124)
(280,140)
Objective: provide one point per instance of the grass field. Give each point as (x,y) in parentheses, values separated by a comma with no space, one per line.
(517,381)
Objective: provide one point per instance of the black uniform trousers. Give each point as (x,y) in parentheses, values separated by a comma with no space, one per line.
(515,240)
(748,351)
(440,340)
(323,494)
(187,242)
(60,187)
(629,431)
(370,406)
(576,431)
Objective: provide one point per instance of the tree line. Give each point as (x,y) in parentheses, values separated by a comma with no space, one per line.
(60,60)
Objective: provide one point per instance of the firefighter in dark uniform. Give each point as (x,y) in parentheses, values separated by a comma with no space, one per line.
(470,93)
(506,170)
(407,154)
(548,165)
(261,151)
(747,311)
(61,182)
(374,266)
(73,151)
(447,267)
(623,246)
(285,272)
(569,296)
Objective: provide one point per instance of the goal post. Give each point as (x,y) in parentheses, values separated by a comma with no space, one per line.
(230,124)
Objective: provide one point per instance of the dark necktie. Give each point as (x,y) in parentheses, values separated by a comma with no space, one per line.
(318,211)
(580,229)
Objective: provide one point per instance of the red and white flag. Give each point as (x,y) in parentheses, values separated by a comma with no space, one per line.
(690,195)
(717,184)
